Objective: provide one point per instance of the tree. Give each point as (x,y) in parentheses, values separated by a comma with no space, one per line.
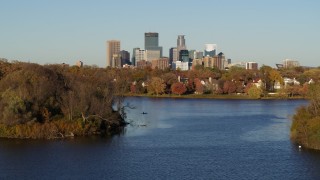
(229,87)
(314,98)
(305,128)
(264,75)
(48,101)
(178,88)
(274,77)
(35,88)
(304,90)
(293,90)
(169,79)
(254,92)
(156,86)
(199,86)
(133,88)
(313,74)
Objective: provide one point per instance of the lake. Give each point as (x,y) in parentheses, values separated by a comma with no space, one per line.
(175,139)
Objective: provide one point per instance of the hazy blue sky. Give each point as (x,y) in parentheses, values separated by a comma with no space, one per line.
(56,31)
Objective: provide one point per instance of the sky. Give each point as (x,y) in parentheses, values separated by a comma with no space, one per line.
(65,31)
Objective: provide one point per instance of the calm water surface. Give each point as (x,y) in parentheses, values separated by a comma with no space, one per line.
(177,139)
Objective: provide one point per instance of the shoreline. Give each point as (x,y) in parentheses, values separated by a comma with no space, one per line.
(210,96)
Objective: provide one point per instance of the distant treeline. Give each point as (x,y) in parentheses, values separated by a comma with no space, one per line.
(49,101)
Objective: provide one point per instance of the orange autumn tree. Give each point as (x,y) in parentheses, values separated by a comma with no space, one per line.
(178,88)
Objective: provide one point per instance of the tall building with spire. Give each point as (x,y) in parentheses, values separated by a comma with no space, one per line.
(113,50)
(181,44)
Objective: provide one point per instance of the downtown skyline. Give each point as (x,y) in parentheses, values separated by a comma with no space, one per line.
(58,31)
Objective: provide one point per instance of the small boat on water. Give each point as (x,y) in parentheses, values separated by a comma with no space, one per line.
(144,113)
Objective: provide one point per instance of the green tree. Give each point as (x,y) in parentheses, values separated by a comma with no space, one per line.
(156,86)
(275,76)
(313,74)
(265,77)
(254,92)
(305,128)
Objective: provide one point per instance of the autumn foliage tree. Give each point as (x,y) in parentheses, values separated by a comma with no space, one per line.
(169,79)
(156,86)
(229,87)
(56,100)
(198,86)
(178,88)
(254,92)
(305,127)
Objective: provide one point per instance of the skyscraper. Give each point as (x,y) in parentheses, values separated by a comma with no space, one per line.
(113,48)
(151,40)
(210,50)
(184,56)
(140,55)
(219,61)
(125,57)
(181,44)
(133,59)
(252,65)
(289,63)
(172,54)
(151,44)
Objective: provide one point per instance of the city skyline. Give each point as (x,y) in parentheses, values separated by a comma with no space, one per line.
(59,31)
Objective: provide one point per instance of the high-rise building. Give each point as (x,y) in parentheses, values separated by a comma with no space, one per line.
(171,55)
(219,61)
(210,50)
(125,57)
(183,66)
(199,55)
(208,62)
(151,40)
(192,54)
(184,56)
(161,63)
(116,61)
(289,63)
(175,56)
(113,48)
(152,54)
(140,54)
(151,43)
(143,64)
(133,59)
(181,44)
(252,65)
